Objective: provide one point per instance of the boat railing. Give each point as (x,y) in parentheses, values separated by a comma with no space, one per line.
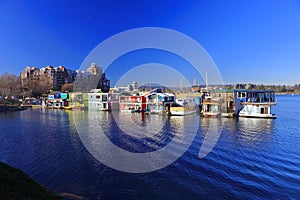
(258,100)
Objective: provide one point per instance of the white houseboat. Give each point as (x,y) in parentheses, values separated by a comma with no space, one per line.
(254,103)
(184,106)
(103,101)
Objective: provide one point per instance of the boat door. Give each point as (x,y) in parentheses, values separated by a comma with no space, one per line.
(264,110)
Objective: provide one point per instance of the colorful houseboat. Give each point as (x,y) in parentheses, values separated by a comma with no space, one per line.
(133,103)
(57,101)
(158,101)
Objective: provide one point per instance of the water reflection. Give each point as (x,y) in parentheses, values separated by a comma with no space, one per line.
(154,139)
(211,129)
(140,125)
(250,132)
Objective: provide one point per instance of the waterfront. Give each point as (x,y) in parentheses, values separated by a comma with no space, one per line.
(254,158)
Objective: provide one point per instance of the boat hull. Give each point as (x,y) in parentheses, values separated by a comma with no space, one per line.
(181,111)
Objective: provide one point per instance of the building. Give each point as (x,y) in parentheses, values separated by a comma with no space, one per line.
(29,74)
(94,69)
(60,77)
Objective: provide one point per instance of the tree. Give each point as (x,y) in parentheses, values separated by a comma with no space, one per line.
(39,87)
(67,87)
(8,85)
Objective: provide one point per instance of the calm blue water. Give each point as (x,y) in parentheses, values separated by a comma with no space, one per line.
(253,159)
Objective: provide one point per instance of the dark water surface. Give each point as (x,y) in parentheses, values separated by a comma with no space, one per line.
(253,158)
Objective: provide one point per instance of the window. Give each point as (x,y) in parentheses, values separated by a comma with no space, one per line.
(241,94)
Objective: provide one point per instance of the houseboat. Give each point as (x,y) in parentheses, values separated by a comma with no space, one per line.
(133,103)
(158,101)
(211,106)
(183,107)
(57,101)
(78,100)
(103,101)
(254,103)
(218,103)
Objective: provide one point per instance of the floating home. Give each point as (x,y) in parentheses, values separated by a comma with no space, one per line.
(57,101)
(133,103)
(211,106)
(158,101)
(78,100)
(218,103)
(103,101)
(254,103)
(183,106)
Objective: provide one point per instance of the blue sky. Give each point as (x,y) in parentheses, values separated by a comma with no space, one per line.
(250,41)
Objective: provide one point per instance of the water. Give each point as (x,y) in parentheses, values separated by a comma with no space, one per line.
(253,158)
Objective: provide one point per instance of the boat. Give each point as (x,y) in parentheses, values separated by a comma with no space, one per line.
(103,101)
(211,107)
(183,107)
(254,103)
(133,104)
(56,103)
(159,101)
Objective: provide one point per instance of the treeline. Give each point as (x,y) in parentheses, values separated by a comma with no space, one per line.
(280,88)
(10,85)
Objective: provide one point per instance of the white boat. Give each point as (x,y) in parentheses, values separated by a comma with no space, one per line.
(254,103)
(183,107)
(103,101)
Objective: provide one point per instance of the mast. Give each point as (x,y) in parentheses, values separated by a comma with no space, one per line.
(206,81)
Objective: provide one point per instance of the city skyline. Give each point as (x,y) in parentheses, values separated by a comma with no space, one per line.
(250,41)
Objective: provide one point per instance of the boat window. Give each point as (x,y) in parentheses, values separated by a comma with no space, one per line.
(98,97)
(241,94)
(214,108)
(267,110)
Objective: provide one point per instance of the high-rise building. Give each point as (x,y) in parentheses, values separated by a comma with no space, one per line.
(60,77)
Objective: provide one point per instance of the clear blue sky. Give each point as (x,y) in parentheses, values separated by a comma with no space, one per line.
(250,41)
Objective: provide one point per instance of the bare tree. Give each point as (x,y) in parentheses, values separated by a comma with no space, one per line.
(39,87)
(8,85)
(67,87)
